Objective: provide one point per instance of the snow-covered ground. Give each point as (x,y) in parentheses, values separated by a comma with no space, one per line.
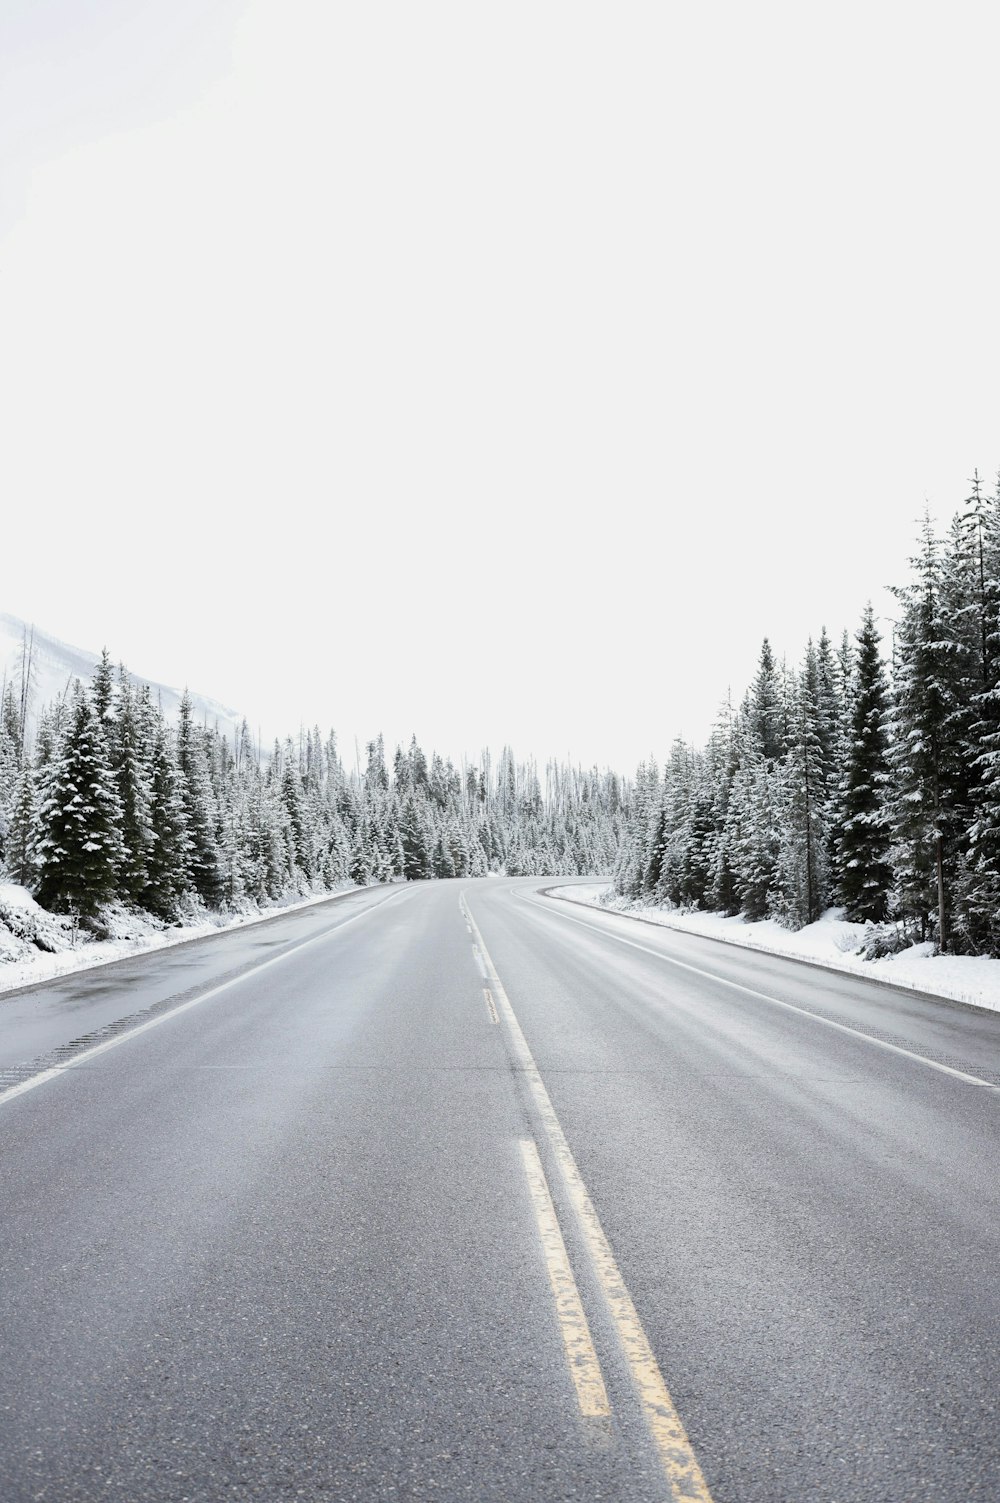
(831,941)
(55,664)
(24,927)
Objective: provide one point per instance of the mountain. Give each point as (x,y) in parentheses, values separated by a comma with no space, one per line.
(56,664)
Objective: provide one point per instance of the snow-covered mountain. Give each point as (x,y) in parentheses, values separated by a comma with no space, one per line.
(56,664)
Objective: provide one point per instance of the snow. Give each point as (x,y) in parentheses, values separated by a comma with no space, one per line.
(24,926)
(831,942)
(56,664)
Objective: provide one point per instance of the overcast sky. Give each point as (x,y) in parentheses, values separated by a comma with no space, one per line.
(493,371)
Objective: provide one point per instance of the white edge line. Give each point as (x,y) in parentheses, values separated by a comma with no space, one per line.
(803,1012)
(175,941)
(164,1017)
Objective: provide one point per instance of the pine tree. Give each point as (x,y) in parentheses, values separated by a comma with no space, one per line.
(11,733)
(200,811)
(642,836)
(721,889)
(102,691)
(753,827)
(80,846)
(22,834)
(418,766)
(416,849)
(652,883)
(293,800)
(863,869)
(766,710)
(829,709)
(978,901)
(169,851)
(129,760)
(376,777)
(923,755)
(800,891)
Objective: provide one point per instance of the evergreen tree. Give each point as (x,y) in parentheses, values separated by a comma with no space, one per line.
(169,851)
(293,801)
(978,917)
(766,710)
(79,849)
(863,869)
(376,777)
(800,891)
(22,834)
(129,760)
(754,836)
(200,811)
(102,691)
(416,848)
(923,754)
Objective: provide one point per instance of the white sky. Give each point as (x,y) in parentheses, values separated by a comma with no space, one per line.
(494,371)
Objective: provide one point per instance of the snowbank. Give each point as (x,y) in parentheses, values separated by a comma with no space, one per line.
(831,941)
(36,945)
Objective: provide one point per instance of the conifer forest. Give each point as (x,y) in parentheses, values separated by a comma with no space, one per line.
(865,777)
(113,803)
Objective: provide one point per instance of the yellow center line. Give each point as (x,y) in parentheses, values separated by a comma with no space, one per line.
(675,1451)
(584,1367)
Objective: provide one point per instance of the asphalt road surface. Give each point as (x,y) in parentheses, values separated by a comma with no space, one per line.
(458,1191)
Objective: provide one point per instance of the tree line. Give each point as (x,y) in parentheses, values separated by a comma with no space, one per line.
(850,780)
(112,803)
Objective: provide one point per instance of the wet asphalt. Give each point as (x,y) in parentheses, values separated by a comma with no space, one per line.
(281,1245)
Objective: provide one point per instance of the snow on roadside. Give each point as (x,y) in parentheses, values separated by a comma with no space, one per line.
(831,941)
(36,945)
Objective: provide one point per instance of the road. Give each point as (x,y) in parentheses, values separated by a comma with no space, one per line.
(457,1191)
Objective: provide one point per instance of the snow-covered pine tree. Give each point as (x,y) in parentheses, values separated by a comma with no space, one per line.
(684,865)
(102,691)
(418,766)
(168,855)
(11,737)
(801,885)
(130,755)
(651,883)
(963,623)
(376,776)
(863,873)
(922,754)
(720,767)
(293,800)
(978,897)
(766,710)
(443,862)
(22,830)
(829,708)
(79,849)
(198,797)
(417,850)
(755,837)
(641,834)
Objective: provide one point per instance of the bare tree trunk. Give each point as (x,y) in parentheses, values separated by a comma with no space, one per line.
(27,686)
(942,921)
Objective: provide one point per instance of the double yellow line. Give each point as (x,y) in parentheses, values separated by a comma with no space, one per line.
(585,1370)
(675,1452)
